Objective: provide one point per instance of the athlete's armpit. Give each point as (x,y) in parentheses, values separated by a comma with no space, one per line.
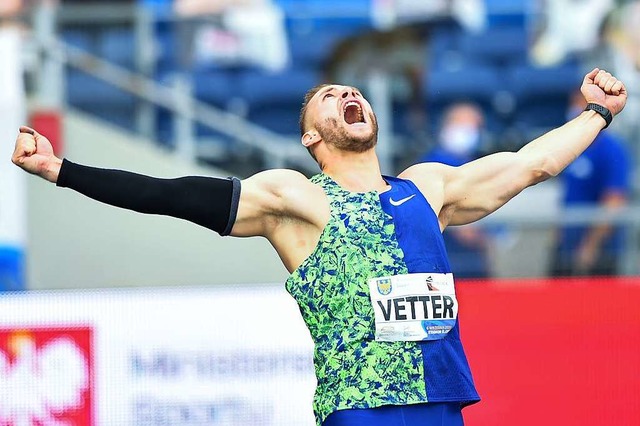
(271,198)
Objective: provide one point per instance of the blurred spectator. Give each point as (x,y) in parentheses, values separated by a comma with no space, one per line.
(619,51)
(96,1)
(599,177)
(210,7)
(249,32)
(9,8)
(458,143)
(558,37)
(470,14)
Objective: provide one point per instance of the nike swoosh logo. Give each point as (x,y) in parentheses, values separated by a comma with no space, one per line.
(402,201)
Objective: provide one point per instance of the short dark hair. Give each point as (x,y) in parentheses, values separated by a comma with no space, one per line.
(303,111)
(305,103)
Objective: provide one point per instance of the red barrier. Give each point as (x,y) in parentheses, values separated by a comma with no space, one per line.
(49,123)
(553,352)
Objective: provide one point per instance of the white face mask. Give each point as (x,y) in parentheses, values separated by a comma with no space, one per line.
(460,139)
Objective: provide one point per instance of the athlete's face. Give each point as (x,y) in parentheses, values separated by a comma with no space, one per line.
(343,118)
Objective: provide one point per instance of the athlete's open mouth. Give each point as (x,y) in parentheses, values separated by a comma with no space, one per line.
(353,113)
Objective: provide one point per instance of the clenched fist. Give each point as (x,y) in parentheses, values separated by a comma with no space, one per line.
(34,154)
(602,88)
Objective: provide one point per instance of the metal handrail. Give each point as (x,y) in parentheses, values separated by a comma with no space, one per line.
(279,150)
(628,215)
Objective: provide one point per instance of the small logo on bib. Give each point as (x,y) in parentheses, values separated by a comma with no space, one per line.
(430,285)
(384,286)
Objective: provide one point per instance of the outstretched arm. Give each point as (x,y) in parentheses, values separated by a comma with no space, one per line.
(209,202)
(256,207)
(474,190)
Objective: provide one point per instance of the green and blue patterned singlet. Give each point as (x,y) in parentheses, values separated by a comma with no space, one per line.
(368,237)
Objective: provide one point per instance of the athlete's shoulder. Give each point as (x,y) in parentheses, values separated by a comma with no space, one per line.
(279,178)
(427,174)
(429,178)
(279,174)
(288,185)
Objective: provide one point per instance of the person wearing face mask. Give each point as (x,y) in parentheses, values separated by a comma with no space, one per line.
(600,177)
(458,143)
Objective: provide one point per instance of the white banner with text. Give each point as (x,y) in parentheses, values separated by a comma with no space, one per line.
(218,356)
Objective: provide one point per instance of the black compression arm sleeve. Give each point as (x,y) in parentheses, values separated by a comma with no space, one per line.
(210,202)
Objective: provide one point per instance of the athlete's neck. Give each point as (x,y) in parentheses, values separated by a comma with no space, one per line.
(356,172)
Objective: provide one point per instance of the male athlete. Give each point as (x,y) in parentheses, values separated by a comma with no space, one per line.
(361,247)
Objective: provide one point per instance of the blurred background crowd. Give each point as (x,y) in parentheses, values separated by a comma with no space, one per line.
(218,84)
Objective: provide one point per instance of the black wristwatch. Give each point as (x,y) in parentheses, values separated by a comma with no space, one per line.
(604,112)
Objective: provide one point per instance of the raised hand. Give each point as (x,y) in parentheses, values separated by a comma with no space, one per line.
(600,87)
(34,154)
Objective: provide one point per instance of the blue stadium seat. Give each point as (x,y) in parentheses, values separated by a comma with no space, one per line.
(161,9)
(540,115)
(313,48)
(216,86)
(259,89)
(329,20)
(528,82)
(508,12)
(274,100)
(400,123)
(165,131)
(499,45)
(124,118)
(443,46)
(476,83)
(80,39)
(542,94)
(91,95)
(319,8)
(281,119)
(118,46)
(508,6)
(84,89)
(445,37)
(166,48)
(96,97)
(450,46)
(164,127)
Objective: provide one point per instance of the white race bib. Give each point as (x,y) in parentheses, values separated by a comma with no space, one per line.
(413,307)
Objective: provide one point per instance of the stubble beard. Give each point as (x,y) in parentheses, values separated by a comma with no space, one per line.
(334,134)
